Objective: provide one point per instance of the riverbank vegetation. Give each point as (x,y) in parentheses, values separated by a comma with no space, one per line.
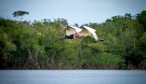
(25,45)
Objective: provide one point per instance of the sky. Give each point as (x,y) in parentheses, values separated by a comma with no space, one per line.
(75,11)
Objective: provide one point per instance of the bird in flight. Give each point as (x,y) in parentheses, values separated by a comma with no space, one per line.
(72,32)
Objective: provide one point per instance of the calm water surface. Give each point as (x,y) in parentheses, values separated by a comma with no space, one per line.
(72,77)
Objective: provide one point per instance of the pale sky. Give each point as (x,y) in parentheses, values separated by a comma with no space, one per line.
(75,11)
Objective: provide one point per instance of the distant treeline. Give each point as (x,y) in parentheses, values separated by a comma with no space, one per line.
(25,45)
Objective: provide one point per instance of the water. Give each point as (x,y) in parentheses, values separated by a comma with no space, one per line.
(72,77)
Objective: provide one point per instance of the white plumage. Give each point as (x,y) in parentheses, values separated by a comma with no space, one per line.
(70,30)
(93,31)
(85,32)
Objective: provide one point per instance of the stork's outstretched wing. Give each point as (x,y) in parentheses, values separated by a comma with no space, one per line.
(91,31)
(84,33)
(70,30)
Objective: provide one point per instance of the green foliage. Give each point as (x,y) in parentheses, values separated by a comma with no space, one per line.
(36,45)
(142,19)
(142,44)
(108,60)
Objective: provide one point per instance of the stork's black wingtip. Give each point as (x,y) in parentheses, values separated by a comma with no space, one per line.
(101,40)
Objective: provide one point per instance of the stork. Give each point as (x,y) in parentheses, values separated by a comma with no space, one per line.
(72,32)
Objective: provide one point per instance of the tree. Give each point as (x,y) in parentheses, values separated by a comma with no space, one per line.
(20,14)
(142,19)
(128,15)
